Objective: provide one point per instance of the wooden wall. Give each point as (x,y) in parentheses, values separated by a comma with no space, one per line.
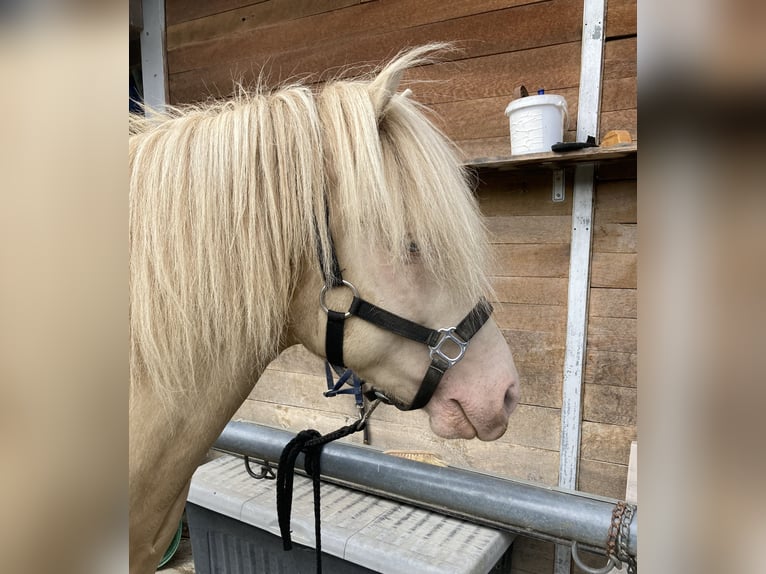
(530,236)
(503,44)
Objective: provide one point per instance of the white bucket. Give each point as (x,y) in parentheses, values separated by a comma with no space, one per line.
(537,122)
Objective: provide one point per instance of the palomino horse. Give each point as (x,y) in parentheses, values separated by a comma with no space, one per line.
(234,210)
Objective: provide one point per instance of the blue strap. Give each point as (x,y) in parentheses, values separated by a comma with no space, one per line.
(348,377)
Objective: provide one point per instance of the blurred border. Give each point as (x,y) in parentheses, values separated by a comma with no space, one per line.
(702,277)
(63,287)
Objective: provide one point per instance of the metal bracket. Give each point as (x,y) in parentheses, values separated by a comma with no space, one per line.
(267,471)
(559,194)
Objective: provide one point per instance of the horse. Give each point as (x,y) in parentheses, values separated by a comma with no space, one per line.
(242,212)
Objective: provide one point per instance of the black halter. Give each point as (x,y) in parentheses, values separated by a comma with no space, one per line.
(441,360)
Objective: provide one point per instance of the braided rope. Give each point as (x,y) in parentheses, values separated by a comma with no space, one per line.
(310,442)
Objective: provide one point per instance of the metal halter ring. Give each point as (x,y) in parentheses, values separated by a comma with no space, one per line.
(449,335)
(326,288)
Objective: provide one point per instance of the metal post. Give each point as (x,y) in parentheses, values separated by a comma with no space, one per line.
(153,55)
(589,101)
(542,512)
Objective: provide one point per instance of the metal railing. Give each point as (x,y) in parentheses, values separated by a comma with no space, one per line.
(538,511)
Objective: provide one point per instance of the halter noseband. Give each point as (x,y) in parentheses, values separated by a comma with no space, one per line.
(441,359)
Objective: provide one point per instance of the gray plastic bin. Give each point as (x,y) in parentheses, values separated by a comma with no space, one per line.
(234,530)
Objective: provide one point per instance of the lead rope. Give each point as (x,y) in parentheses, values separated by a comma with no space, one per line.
(310,442)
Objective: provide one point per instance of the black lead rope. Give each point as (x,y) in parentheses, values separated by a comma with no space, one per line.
(310,442)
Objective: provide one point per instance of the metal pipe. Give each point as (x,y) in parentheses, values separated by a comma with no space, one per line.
(515,506)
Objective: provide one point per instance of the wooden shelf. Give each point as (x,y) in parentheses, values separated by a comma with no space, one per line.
(555,160)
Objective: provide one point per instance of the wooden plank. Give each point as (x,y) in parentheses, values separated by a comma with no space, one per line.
(606,442)
(546,318)
(535,427)
(517,193)
(517,461)
(617,270)
(621,303)
(535,346)
(247,18)
(615,237)
(610,404)
(533,26)
(294,419)
(481,118)
(135,17)
(530,260)
(616,202)
(184,10)
(625,169)
(286,390)
(531,556)
(541,391)
(378,17)
(478,151)
(620,120)
(547,373)
(395,430)
(620,60)
(610,368)
(549,161)
(621,18)
(530,290)
(298,359)
(619,94)
(525,229)
(603,478)
(376,30)
(612,334)
(298,389)
(554,67)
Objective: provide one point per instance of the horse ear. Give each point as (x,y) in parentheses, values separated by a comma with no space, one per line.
(383,88)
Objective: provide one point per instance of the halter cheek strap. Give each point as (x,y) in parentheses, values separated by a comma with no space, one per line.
(446,346)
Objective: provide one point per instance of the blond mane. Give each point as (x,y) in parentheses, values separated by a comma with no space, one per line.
(227,203)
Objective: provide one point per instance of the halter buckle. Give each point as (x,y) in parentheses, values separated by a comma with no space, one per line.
(451,335)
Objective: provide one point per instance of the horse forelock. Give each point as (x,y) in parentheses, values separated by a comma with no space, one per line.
(227,201)
(397,180)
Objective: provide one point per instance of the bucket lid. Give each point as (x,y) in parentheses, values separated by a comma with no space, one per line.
(541,100)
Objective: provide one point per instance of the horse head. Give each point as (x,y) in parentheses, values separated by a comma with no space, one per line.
(403,231)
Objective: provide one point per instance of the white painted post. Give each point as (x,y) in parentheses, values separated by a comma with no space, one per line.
(591,62)
(153,55)
(577,331)
(591,65)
